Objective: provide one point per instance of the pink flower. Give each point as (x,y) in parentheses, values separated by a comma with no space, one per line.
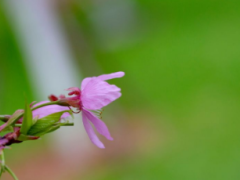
(95,93)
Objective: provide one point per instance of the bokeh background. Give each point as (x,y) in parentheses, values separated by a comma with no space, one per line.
(178,117)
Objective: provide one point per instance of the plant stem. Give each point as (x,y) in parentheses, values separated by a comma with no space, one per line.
(67,124)
(2,164)
(11,173)
(6,168)
(46,104)
(2,159)
(62,124)
(4,118)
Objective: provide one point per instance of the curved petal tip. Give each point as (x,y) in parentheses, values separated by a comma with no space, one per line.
(111,76)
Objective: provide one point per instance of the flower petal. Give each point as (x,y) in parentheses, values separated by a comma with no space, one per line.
(89,129)
(111,76)
(97,94)
(98,124)
(47,110)
(85,82)
(102,77)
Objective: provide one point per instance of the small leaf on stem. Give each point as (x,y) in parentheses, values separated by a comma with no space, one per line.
(27,120)
(46,124)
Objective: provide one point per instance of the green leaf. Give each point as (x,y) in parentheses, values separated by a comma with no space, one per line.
(35,119)
(7,129)
(27,120)
(16,115)
(50,129)
(53,128)
(46,124)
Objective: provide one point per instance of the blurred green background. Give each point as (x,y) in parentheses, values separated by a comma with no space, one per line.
(178,118)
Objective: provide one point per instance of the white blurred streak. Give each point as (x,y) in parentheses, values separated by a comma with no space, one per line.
(48,60)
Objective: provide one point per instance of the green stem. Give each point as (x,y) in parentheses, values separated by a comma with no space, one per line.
(4,118)
(2,164)
(2,159)
(46,104)
(67,124)
(11,173)
(6,168)
(1,171)
(62,124)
